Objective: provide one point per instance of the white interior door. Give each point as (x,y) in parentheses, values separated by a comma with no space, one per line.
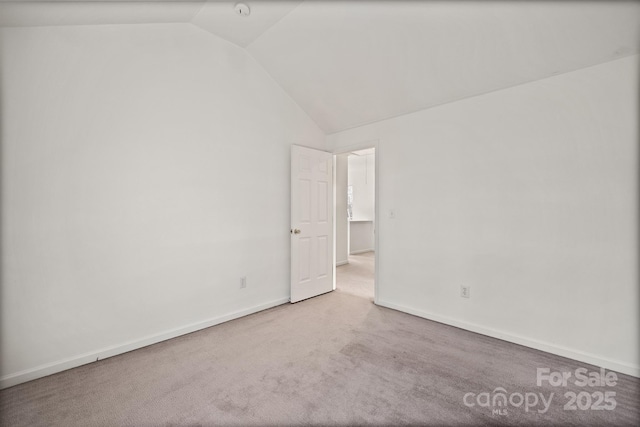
(311,223)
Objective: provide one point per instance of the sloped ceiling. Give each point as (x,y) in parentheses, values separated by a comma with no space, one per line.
(353,63)
(54,13)
(215,16)
(348,63)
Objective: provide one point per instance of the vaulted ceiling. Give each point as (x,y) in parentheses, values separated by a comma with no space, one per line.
(347,63)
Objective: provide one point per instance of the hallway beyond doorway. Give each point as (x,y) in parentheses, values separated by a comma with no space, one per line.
(357,277)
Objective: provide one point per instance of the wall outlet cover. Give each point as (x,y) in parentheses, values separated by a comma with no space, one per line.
(465,291)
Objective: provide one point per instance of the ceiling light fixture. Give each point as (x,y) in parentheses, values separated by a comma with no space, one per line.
(242,9)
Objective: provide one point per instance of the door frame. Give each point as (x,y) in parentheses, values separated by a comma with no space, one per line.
(372,143)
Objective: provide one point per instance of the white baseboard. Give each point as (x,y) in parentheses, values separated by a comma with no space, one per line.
(362,251)
(339,263)
(82,359)
(592,359)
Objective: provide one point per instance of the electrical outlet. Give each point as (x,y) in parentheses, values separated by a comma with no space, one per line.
(465,291)
(243,282)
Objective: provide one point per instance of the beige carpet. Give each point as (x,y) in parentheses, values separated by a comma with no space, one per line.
(357,276)
(336,359)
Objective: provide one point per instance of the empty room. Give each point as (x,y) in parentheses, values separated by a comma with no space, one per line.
(321,212)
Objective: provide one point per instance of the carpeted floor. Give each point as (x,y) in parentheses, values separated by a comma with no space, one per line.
(336,359)
(357,276)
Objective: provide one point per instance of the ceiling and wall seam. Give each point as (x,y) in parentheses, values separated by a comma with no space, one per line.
(453,101)
(204,2)
(210,34)
(288,95)
(220,18)
(347,65)
(273,25)
(350,64)
(261,67)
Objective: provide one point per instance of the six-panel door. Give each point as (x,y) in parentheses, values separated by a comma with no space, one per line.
(311,222)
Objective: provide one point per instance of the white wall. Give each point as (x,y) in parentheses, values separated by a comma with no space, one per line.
(145,169)
(361,237)
(530,196)
(342,218)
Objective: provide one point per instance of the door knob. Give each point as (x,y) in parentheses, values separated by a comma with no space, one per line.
(296,231)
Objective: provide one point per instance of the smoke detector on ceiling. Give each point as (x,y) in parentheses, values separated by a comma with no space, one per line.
(242,9)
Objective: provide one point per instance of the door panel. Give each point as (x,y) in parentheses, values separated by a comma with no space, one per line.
(311,222)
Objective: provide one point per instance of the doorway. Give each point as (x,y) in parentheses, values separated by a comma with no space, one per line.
(355,221)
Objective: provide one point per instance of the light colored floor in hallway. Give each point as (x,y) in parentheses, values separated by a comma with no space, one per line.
(357,277)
